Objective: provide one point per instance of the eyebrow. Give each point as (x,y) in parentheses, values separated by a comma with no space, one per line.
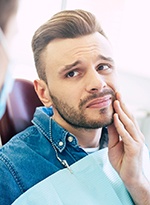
(101,57)
(70,66)
(78,62)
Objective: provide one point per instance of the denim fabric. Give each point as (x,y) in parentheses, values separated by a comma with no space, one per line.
(35,154)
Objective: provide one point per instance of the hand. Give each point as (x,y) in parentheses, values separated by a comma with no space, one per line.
(125,142)
(125,149)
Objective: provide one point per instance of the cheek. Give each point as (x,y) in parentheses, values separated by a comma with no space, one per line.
(72,97)
(112,82)
(66,93)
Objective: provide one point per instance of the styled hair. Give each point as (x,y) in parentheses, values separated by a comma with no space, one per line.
(7,9)
(65,24)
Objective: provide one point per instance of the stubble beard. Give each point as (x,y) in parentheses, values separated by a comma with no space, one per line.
(78,118)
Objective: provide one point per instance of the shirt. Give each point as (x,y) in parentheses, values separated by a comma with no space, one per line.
(36,153)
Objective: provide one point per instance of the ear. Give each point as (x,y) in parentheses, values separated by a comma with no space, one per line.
(42,91)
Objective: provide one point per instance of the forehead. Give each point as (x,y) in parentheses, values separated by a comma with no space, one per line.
(64,51)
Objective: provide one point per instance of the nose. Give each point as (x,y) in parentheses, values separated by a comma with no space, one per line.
(95,82)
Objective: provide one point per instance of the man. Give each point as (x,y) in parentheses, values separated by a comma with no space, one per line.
(78,86)
(8,11)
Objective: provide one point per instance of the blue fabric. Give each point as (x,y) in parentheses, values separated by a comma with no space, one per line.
(92,181)
(30,157)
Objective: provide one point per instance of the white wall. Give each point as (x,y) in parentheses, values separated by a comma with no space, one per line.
(135,91)
(125,22)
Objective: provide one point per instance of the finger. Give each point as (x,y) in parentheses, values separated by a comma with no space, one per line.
(123,106)
(123,117)
(126,128)
(127,118)
(126,110)
(122,131)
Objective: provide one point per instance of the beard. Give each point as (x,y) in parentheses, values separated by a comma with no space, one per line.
(78,118)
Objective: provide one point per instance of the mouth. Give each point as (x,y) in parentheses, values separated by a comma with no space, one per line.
(101,102)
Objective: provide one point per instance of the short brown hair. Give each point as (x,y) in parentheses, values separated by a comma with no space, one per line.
(65,24)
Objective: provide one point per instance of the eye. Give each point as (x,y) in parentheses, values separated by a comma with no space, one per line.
(103,67)
(72,74)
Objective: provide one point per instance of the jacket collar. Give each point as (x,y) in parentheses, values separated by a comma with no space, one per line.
(56,134)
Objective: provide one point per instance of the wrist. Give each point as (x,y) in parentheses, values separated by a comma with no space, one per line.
(139,189)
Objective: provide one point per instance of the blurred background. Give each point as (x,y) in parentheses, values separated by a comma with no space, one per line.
(125,22)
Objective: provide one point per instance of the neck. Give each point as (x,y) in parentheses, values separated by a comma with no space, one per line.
(88,138)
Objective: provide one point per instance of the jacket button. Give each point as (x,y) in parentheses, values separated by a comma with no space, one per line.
(70,138)
(61,143)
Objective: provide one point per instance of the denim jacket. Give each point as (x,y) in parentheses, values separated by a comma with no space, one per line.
(36,153)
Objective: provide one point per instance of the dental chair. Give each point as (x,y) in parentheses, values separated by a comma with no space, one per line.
(21,104)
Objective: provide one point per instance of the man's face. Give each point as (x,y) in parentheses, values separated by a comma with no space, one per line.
(81,81)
